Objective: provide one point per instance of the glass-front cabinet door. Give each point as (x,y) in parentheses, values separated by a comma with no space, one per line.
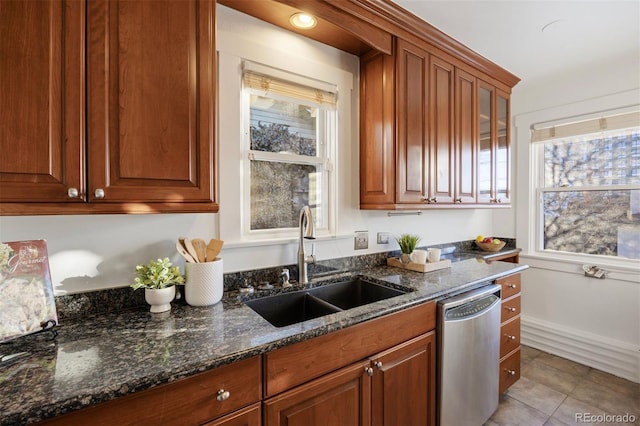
(485,144)
(503,151)
(494,155)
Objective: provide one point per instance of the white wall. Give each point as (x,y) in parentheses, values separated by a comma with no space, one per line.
(596,322)
(101,251)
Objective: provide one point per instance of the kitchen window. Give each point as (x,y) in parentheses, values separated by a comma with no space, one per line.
(290,128)
(588,186)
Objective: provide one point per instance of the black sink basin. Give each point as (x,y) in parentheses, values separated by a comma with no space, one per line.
(354,293)
(291,308)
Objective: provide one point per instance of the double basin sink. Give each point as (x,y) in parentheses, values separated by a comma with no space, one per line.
(298,306)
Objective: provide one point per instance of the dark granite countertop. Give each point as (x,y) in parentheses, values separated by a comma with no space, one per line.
(103,357)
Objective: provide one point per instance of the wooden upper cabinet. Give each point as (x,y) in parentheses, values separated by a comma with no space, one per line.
(42,100)
(377,142)
(151,114)
(442,142)
(150,78)
(466,140)
(412,71)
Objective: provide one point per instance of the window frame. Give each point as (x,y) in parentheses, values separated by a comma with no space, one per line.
(326,135)
(539,188)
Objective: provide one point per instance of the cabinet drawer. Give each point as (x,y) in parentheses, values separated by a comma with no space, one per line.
(510,285)
(509,370)
(189,401)
(509,336)
(510,308)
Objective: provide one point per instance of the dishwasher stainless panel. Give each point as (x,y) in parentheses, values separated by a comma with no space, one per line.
(469,342)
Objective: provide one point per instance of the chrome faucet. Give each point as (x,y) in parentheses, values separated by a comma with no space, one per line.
(308,231)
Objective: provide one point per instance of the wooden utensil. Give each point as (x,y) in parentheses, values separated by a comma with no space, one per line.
(183,252)
(213,249)
(191,249)
(201,249)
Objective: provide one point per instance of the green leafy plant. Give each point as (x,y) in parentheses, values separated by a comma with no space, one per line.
(157,274)
(407,243)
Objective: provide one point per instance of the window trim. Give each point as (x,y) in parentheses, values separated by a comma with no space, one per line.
(539,189)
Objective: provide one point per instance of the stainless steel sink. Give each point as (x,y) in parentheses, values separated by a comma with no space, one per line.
(291,308)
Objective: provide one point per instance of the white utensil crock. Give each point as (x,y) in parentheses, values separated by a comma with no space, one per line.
(204,284)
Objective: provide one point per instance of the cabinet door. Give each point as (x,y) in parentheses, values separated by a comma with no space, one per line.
(41,101)
(412,116)
(151,101)
(339,398)
(377,116)
(486,158)
(503,149)
(250,416)
(466,131)
(404,384)
(442,131)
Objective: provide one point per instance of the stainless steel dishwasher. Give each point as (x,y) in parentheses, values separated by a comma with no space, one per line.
(469,341)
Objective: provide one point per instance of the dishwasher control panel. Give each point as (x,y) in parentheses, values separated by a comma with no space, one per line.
(471,308)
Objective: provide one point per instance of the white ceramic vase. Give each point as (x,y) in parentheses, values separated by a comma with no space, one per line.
(160,299)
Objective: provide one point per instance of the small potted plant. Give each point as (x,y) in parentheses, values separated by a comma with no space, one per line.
(407,243)
(158,278)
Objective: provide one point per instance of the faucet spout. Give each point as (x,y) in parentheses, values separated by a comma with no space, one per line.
(308,231)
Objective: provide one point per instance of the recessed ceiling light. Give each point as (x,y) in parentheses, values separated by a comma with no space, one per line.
(303,20)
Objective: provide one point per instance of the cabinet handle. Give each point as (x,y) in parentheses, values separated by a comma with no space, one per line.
(511,372)
(73,192)
(499,201)
(378,365)
(512,286)
(99,193)
(511,337)
(433,200)
(510,309)
(223,395)
(458,200)
(369,371)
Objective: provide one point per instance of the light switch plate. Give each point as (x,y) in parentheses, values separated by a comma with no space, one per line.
(361,240)
(383,238)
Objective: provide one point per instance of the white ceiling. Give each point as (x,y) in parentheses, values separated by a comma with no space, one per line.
(512,33)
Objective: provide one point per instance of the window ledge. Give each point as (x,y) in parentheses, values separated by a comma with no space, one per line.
(617,269)
(281,241)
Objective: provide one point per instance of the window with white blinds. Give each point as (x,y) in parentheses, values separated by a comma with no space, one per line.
(290,135)
(589,185)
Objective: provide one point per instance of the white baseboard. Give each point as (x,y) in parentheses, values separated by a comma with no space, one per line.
(612,356)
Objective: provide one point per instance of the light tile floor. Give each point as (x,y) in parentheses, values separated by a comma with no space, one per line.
(555,391)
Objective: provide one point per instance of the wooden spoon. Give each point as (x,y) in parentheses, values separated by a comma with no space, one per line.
(213,249)
(191,249)
(201,249)
(183,252)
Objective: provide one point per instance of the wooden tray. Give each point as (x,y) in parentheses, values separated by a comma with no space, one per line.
(419,267)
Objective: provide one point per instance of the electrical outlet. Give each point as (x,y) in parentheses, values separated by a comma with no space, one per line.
(383,238)
(361,240)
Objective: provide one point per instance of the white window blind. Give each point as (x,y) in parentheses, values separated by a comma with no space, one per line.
(270,85)
(586,127)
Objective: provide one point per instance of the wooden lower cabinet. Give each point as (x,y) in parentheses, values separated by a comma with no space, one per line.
(404,384)
(510,331)
(339,398)
(380,372)
(250,416)
(191,401)
(394,387)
